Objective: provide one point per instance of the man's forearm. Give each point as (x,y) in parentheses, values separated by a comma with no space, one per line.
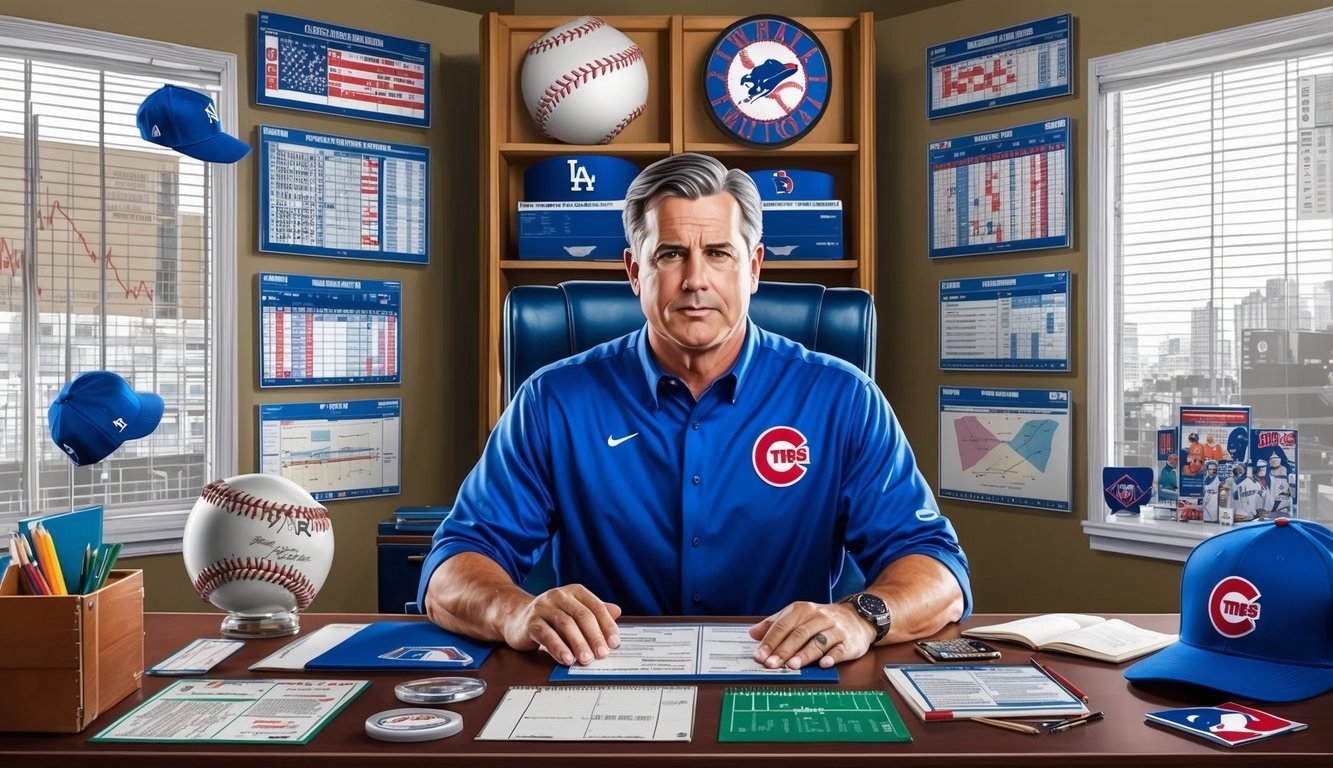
(923,596)
(472,595)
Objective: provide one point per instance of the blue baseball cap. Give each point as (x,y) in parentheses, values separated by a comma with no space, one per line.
(187,121)
(1256,614)
(96,412)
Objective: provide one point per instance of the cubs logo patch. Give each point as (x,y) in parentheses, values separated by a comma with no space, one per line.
(1233,607)
(781,456)
(766,81)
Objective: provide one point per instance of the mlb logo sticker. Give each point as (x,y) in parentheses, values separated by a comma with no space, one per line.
(1233,607)
(781,456)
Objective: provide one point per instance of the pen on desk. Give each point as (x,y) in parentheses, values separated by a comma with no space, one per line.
(1080,721)
(1006,725)
(1059,678)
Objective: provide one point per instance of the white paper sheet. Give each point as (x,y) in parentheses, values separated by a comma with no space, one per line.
(593,713)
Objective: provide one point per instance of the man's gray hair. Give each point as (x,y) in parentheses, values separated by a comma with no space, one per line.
(691,176)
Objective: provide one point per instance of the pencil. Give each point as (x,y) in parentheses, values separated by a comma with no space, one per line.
(1060,679)
(53,569)
(1005,724)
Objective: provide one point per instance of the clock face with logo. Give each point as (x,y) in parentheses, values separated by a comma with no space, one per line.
(766,81)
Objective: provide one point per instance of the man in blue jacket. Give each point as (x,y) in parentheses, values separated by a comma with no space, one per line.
(699,465)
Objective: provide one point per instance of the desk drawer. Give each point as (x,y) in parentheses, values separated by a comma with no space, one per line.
(399,574)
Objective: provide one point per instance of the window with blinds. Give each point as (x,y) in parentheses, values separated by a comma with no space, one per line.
(113,255)
(1212,242)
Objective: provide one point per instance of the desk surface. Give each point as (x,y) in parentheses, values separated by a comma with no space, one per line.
(1122,738)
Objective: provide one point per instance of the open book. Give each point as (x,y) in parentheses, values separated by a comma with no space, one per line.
(1110,640)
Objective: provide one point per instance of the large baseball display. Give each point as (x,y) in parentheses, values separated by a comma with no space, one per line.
(259,547)
(584,82)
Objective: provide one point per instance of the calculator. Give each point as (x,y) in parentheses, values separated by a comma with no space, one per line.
(960,649)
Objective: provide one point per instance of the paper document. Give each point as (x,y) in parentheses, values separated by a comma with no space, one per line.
(593,713)
(935,692)
(685,650)
(236,711)
(296,654)
(196,658)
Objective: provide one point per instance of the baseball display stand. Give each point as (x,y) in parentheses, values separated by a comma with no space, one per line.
(258,547)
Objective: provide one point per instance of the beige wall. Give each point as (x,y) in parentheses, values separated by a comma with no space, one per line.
(1022,560)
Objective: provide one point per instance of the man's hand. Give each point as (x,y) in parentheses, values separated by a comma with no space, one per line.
(570,623)
(802,633)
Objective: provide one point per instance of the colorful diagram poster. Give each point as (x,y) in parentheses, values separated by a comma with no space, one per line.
(324,195)
(1006,446)
(334,450)
(1007,322)
(1005,190)
(329,330)
(1007,66)
(311,65)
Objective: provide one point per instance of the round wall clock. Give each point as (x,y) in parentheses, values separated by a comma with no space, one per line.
(766,81)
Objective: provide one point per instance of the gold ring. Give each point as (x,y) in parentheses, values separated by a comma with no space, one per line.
(819,638)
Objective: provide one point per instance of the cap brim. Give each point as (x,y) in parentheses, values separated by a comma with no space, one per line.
(1236,675)
(150,414)
(220,148)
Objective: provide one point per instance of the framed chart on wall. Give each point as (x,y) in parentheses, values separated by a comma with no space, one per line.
(320,67)
(1006,66)
(1003,190)
(339,196)
(335,450)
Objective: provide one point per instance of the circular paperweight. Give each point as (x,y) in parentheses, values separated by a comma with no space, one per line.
(269,625)
(413,724)
(440,690)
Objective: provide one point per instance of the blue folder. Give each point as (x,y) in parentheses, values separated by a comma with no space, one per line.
(73,532)
(406,645)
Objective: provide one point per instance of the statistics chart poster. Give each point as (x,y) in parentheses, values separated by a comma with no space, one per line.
(334,450)
(325,195)
(320,67)
(1006,446)
(329,330)
(1005,190)
(1007,322)
(1007,66)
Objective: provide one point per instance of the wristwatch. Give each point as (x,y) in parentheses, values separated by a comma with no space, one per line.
(873,610)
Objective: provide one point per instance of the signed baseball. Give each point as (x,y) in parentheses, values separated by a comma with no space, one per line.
(584,82)
(257,545)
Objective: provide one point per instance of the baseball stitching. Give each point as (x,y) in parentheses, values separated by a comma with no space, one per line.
(254,569)
(568,36)
(570,82)
(623,123)
(237,502)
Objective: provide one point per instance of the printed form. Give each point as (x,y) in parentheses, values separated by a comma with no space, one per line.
(593,713)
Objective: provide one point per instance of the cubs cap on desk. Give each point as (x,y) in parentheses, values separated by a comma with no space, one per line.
(1256,614)
(97,412)
(187,121)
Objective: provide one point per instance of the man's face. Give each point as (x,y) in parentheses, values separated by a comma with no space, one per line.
(693,274)
(1172,461)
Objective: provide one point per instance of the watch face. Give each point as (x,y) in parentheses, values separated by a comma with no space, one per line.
(870,605)
(766,81)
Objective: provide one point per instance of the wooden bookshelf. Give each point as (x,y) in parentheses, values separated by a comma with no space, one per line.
(675,49)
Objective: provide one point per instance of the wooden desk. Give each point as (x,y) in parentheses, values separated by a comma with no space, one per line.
(1123,738)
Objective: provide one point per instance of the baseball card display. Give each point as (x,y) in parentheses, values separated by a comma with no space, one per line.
(1168,465)
(584,82)
(1006,322)
(766,81)
(329,330)
(1006,66)
(1213,437)
(1006,446)
(324,195)
(335,450)
(321,67)
(1004,190)
(1274,467)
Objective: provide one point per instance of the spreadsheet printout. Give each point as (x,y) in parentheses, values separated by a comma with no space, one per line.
(329,330)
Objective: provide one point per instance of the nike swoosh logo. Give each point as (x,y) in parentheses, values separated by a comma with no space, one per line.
(614,441)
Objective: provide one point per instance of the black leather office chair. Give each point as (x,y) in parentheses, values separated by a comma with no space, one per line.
(544,323)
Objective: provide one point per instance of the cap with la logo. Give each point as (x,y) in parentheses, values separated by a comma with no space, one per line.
(1256,614)
(97,412)
(187,121)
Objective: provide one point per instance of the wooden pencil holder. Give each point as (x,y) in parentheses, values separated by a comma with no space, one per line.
(66,659)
